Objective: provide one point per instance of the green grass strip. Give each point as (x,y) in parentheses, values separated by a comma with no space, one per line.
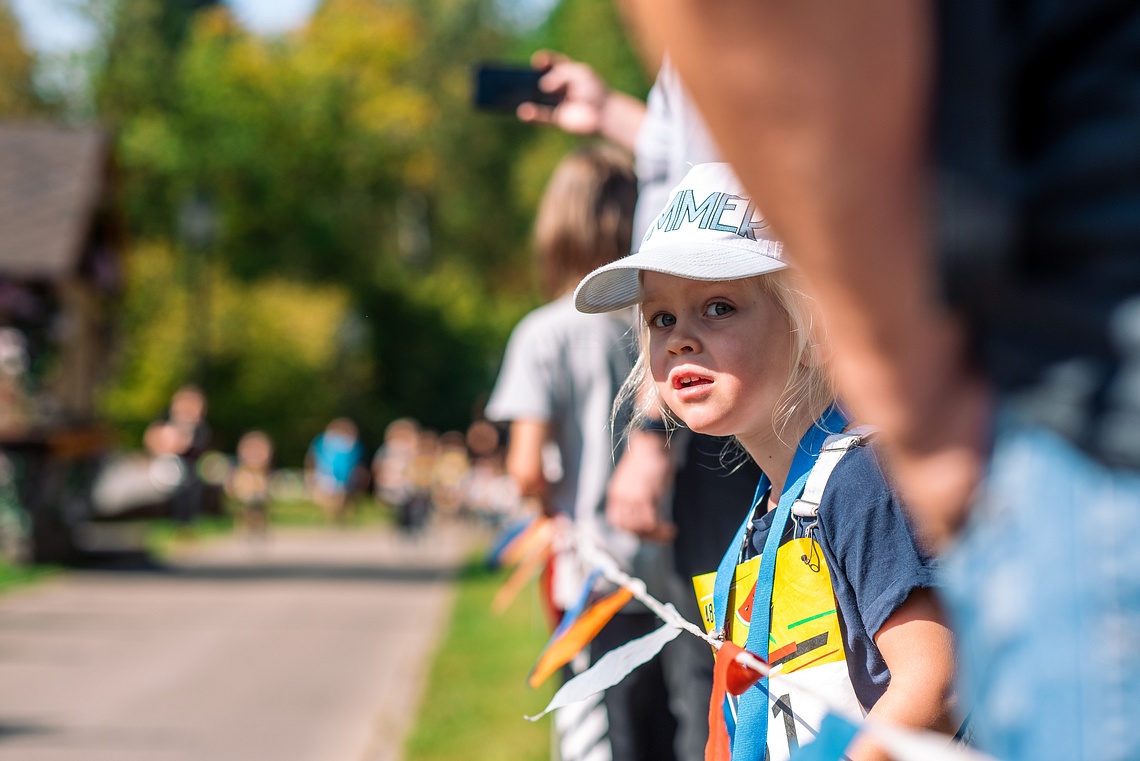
(476,696)
(16,576)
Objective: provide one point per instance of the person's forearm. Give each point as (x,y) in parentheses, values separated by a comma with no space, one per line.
(621,119)
(919,706)
(524,460)
(918,648)
(636,492)
(824,117)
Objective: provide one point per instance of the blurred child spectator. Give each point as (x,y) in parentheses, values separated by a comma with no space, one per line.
(248,482)
(393,460)
(186,435)
(415,510)
(452,466)
(331,463)
(490,494)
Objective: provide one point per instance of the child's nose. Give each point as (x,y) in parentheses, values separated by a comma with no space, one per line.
(682,340)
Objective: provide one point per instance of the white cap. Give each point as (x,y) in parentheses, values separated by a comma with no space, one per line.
(709,230)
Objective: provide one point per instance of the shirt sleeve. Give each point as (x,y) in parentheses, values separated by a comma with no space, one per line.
(524,389)
(872,541)
(653,153)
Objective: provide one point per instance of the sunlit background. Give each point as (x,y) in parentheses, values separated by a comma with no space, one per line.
(363,246)
(292,206)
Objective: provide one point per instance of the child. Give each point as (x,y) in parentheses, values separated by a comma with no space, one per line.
(248,483)
(332,463)
(727,345)
(556,388)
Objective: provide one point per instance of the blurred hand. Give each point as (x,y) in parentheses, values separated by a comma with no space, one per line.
(639,486)
(588,106)
(938,470)
(584,95)
(935,415)
(163,438)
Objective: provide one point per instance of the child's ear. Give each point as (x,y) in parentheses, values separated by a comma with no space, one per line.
(813,358)
(818,354)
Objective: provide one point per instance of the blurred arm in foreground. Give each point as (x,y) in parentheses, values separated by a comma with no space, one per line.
(824,112)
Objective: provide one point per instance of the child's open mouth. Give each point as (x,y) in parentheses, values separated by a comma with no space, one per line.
(689,381)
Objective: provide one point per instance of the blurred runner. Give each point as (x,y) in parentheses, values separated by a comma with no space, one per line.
(332,461)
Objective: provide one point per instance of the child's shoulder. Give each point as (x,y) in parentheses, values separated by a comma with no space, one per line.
(858,480)
(559,319)
(859,505)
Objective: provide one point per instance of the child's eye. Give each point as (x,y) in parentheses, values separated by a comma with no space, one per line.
(662,320)
(718,309)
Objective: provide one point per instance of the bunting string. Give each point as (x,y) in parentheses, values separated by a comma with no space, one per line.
(903,743)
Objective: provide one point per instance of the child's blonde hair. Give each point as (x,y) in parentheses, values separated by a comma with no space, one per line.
(809,386)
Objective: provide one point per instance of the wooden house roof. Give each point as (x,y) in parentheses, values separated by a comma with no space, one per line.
(51,179)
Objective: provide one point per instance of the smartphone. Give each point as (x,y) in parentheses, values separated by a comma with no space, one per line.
(502,87)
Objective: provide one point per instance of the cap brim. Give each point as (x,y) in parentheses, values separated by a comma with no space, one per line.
(616,285)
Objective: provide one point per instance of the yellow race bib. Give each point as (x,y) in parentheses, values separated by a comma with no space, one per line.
(805,625)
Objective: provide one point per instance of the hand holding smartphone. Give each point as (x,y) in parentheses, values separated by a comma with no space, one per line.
(504,87)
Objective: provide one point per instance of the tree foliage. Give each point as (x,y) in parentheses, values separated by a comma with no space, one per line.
(372,240)
(17,97)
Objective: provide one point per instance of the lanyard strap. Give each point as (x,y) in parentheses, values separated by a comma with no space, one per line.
(753,707)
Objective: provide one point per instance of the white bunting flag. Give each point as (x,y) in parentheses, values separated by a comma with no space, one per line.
(611,668)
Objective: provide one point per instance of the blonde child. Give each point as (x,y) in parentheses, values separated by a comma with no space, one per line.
(824,577)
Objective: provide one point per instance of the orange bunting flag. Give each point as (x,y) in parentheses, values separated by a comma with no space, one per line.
(719,746)
(562,649)
(535,537)
(527,570)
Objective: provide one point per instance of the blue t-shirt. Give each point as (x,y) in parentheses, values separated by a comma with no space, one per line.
(335,456)
(874,559)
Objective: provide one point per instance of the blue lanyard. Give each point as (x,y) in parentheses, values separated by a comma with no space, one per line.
(752,710)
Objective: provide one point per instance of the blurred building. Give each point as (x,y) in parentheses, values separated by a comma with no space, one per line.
(60,273)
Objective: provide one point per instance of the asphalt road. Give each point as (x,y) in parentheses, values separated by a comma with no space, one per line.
(312,647)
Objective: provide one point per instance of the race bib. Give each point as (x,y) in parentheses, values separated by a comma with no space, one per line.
(804,641)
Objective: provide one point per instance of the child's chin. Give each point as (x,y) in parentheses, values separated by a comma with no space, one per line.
(705,427)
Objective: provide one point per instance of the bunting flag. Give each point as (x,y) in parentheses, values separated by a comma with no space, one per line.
(536,535)
(719,747)
(731,676)
(506,538)
(530,567)
(835,735)
(611,668)
(571,615)
(837,732)
(569,639)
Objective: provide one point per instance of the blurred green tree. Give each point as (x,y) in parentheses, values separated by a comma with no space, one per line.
(321,153)
(347,169)
(17,96)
